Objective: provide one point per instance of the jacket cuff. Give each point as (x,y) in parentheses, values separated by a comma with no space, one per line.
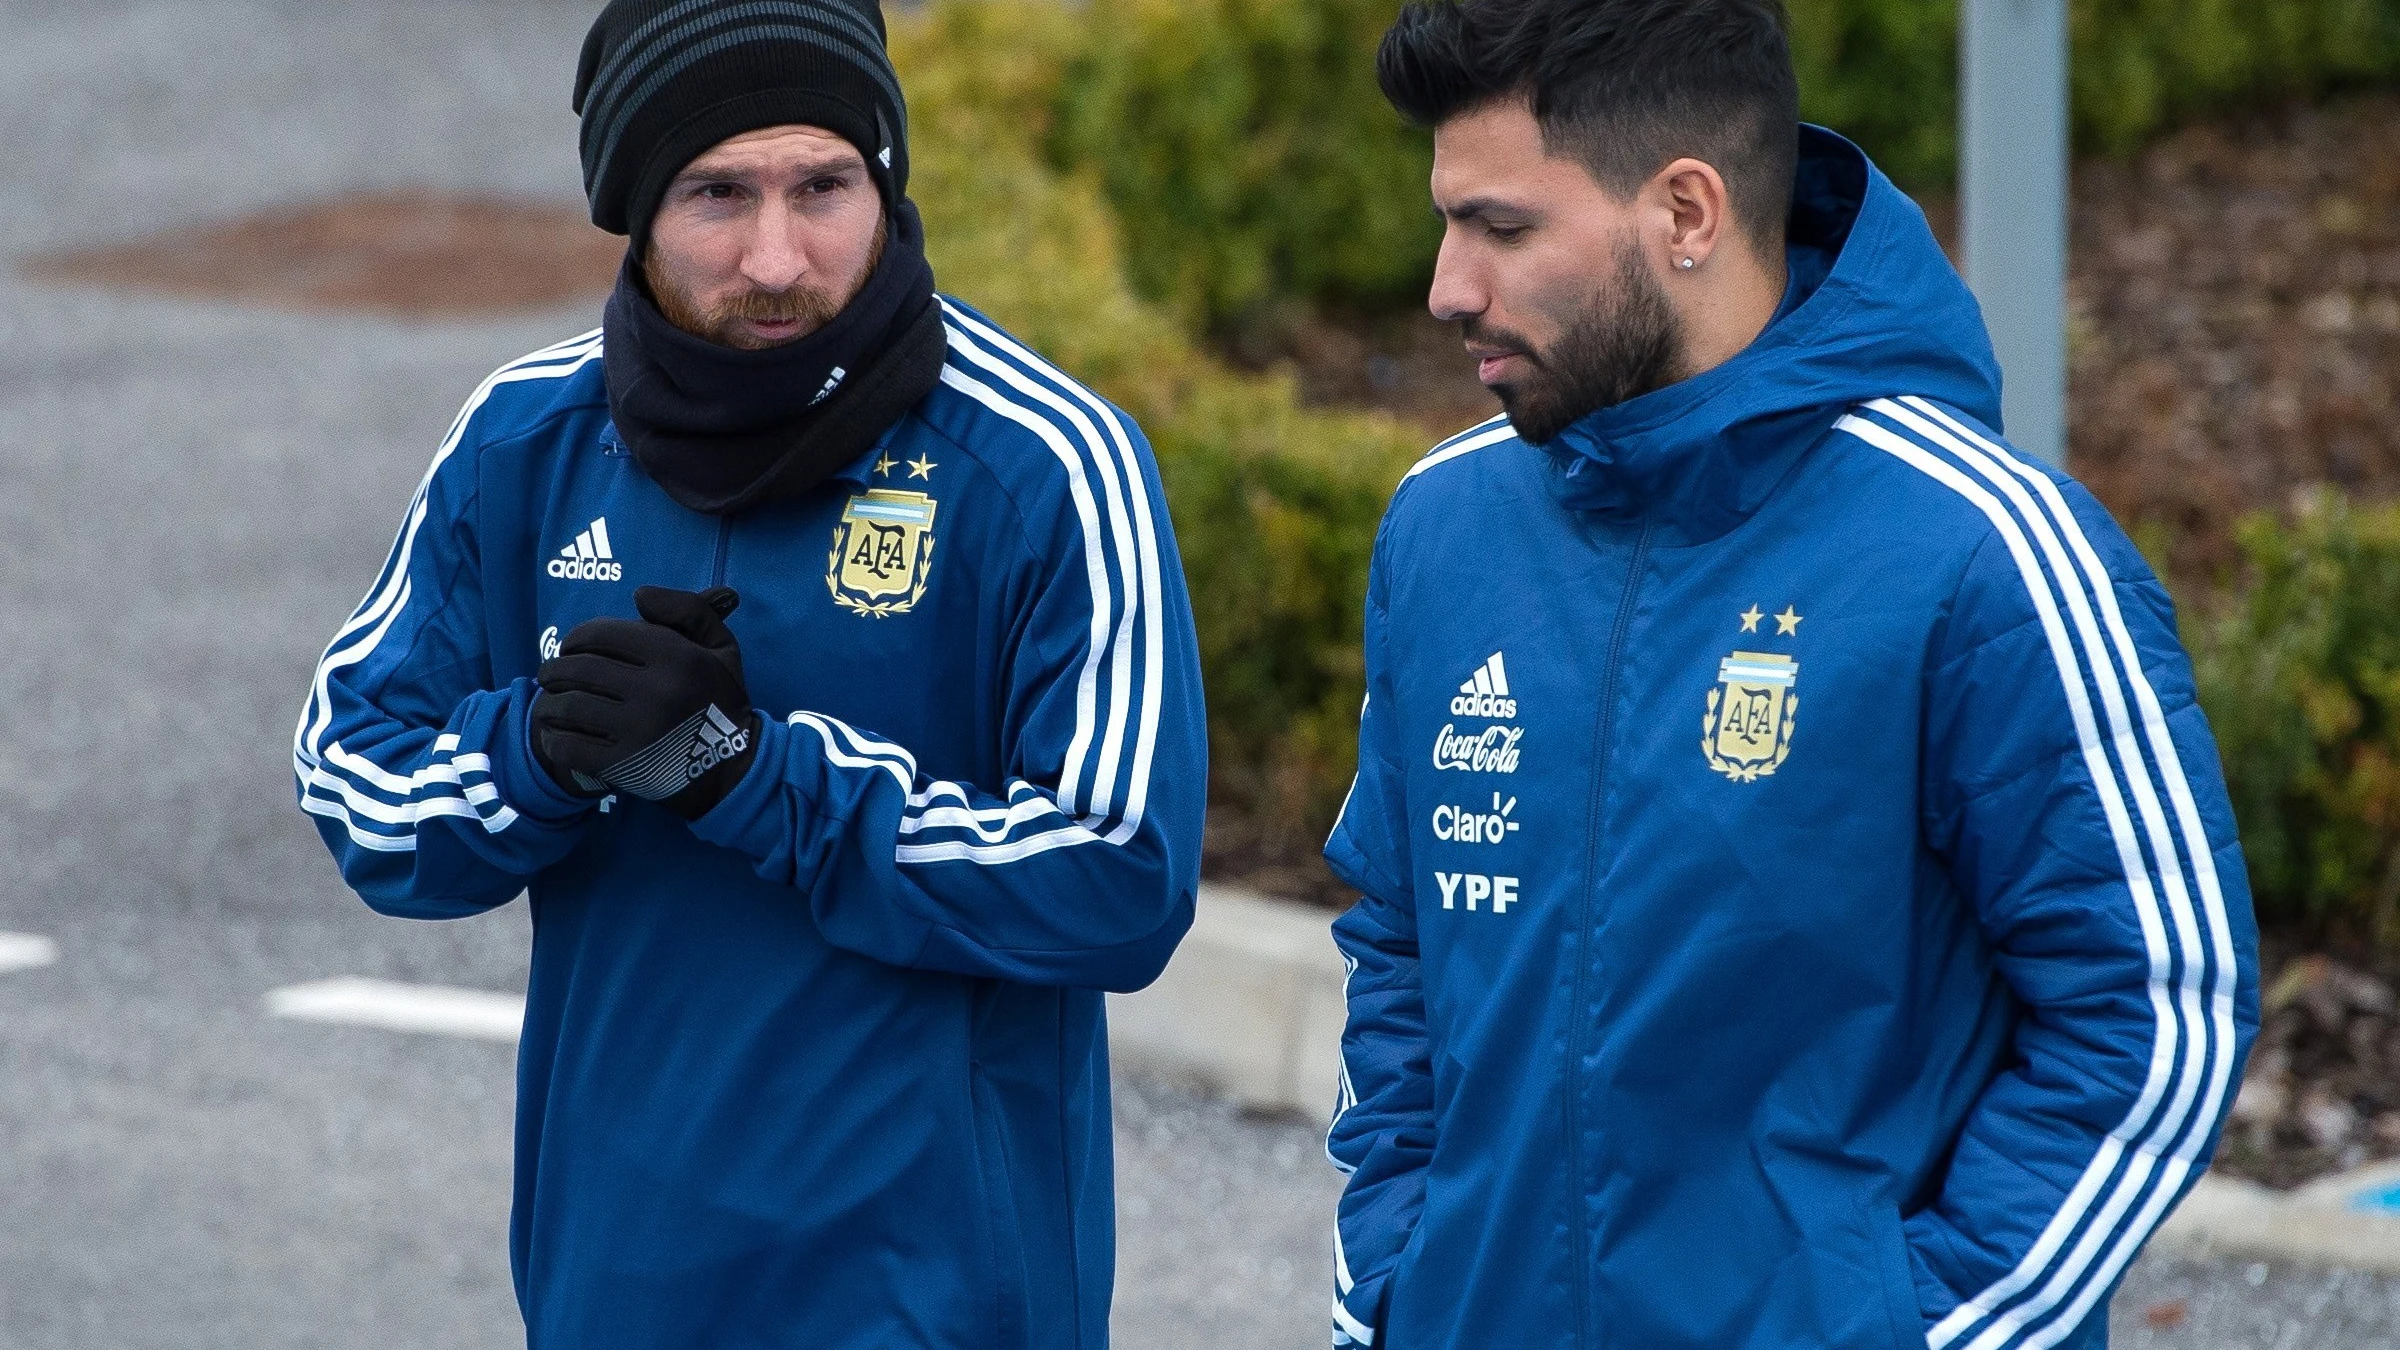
(522,782)
(750,819)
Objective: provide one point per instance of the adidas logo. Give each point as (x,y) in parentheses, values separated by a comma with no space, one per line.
(721,738)
(1486,695)
(832,382)
(589,557)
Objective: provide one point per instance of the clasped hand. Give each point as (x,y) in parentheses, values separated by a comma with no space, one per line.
(654,708)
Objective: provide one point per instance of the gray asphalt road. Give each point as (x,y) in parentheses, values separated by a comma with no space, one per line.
(191,496)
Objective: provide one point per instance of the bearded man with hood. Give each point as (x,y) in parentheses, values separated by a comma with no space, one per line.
(1801,908)
(825,888)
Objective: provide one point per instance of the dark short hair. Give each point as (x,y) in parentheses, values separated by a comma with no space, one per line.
(1626,87)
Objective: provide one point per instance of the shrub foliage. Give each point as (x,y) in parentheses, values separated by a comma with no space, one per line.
(1252,158)
(1886,73)
(2300,677)
(1250,152)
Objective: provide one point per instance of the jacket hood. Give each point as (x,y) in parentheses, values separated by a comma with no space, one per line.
(1887,315)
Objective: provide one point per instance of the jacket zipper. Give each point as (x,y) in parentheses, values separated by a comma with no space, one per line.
(1604,736)
(716,575)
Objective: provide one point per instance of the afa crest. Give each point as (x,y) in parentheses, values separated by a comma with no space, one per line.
(882,552)
(1748,729)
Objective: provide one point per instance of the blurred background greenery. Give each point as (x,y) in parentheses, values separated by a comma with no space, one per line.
(1138,186)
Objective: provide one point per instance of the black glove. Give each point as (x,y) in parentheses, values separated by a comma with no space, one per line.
(653,709)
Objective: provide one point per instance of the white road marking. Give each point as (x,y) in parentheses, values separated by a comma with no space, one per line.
(24,951)
(432,1008)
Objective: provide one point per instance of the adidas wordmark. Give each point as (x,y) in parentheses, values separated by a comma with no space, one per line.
(1486,695)
(589,557)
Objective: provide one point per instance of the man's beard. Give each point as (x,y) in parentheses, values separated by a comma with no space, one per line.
(1628,343)
(811,306)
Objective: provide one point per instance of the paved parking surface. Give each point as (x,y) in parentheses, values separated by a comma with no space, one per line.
(194,495)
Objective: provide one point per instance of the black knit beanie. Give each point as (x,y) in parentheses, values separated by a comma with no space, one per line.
(663,80)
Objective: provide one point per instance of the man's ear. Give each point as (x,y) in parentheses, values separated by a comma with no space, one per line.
(1690,199)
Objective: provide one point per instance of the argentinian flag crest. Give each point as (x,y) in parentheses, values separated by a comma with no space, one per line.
(1748,730)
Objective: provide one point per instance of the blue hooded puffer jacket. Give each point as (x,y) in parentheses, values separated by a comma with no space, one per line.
(1801,909)
(824,1069)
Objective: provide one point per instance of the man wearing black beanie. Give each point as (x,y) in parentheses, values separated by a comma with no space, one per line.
(815,658)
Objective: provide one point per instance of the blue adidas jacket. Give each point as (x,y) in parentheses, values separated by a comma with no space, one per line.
(825,1068)
(1801,907)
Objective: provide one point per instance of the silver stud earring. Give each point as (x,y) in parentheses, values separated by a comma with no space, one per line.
(1688,264)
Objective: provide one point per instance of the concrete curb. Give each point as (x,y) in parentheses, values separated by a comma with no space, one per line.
(1250,1009)
(2330,1222)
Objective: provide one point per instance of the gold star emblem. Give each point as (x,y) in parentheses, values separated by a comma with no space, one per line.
(883,465)
(1750,618)
(921,467)
(1787,624)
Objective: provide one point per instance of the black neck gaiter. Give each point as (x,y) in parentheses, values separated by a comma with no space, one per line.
(724,430)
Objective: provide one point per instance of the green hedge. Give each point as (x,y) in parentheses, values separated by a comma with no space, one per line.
(1274,504)
(2300,677)
(1250,152)
(1253,160)
(1885,71)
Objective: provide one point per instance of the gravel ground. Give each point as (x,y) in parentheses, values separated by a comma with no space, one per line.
(1224,1225)
(195,493)
(2173,1303)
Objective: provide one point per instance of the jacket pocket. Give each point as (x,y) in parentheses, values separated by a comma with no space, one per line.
(1899,1277)
(1003,1243)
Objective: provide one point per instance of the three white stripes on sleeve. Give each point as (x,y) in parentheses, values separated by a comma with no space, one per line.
(2142,1164)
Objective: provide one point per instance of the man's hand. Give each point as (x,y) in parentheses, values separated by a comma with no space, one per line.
(654,709)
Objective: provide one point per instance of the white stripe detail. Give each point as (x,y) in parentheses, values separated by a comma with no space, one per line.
(391,813)
(402,1007)
(389,598)
(1087,686)
(1144,564)
(2160,739)
(834,733)
(2139,1167)
(352,655)
(391,592)
(1358,1332)
(1345,1088)
(1014,851)
(1466,442)
(981,822)
(2139,1118)
(561,351)
(600,538)
(1364,703)
(896,760)
(902,765)
(577,349)
(366,839)
(843,758)
(25,951)
(438,771)
(2162,846)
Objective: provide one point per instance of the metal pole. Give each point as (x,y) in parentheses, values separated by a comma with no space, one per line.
(2013,204)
